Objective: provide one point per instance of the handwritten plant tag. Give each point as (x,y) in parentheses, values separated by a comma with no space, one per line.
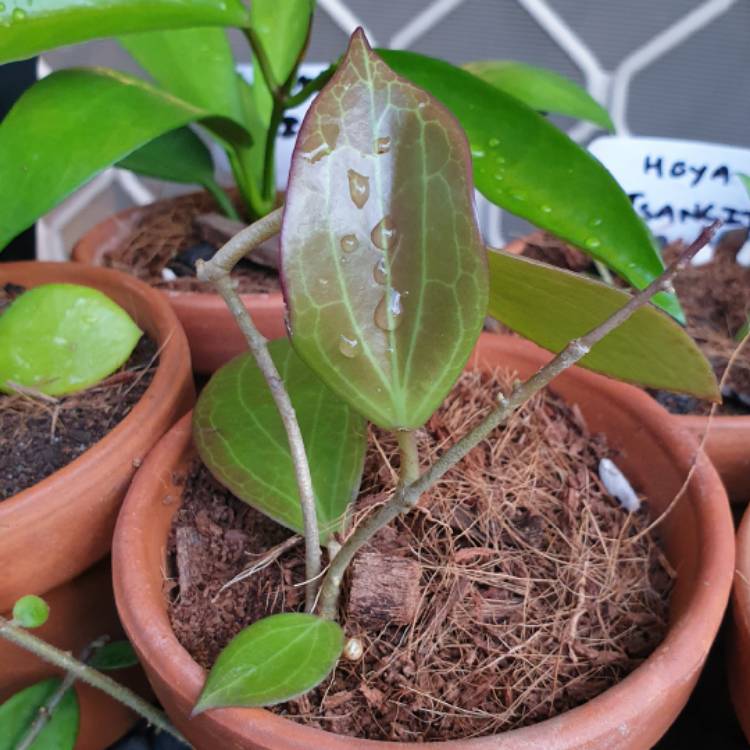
(678,187)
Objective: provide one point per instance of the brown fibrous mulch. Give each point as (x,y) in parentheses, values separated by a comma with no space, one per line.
(39,435)
(163,230)
(537,592)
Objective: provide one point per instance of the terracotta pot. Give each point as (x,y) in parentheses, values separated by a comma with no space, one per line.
(60,527)
(73,511)
(74,622)
(655,454)
(738,651)
(211,331)
(728,442)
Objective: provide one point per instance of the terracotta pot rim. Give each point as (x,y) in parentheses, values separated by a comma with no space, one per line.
(741,589)
(143,412)
(684,647)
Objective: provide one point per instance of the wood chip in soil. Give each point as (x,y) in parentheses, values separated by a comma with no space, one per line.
(162,237)
(39,436)
(536,594)
(716,300)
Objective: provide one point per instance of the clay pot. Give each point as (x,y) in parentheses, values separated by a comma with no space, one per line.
(60,527)
(653,451)
(738,652)
(728,441)
(211,331)
(74,623)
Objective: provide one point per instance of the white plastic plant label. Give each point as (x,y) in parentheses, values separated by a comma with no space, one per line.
(678,187)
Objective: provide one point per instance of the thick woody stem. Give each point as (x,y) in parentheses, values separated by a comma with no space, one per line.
(83,672)
(406,497)
(217,270)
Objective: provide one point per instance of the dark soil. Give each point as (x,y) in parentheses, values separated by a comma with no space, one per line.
(39,435)
(165,236)
(538,592)
(716,300)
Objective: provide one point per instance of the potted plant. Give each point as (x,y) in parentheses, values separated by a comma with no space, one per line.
(147,128)
(68,453)
(715,296)
(387,284)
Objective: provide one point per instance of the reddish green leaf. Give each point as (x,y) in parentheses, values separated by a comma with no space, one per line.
(384,270)
(240,437)
(552,307)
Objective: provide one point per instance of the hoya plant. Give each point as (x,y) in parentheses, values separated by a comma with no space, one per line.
(387,284)
(74,123)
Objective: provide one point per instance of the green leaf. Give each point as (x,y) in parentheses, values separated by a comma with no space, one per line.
(551,307)
(526,165)
(115,655)
(542,90)
(17,713)
(71,125)
(62,338)
(30,611)
(28,28)
(179,156)
(240,437)
(274,660)
(384,269)
(196,65)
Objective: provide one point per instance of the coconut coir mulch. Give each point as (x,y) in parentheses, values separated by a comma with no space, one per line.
(39,435)
(165,235)
(534,592)
(716,300)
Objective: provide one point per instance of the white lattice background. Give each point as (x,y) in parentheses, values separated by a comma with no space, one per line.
(662,67)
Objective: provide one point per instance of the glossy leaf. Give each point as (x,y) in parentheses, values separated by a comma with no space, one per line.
(274,660)
(28,28)
(61,338)
(195,65)
(384,270)
(17,713)
(112,656)
(73,124)
(542,90)
(241,439)
(30,611)
(526,165)
(551,307)
(179,156)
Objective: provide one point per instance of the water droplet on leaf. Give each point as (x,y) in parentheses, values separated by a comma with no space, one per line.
(384,235)
(592,243)
(382,145)
(380,272)
(349,243)
(519,196)
(499,176)
(348,347)
(494,142)
(595,222)
(388,312)
(359,188)
(546,209)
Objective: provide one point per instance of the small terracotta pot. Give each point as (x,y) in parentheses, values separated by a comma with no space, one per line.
(80,611)
(211,331)
(73,511)
(728,441)
(653,451)
(738,651)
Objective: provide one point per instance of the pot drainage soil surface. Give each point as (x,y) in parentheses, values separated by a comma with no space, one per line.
(165,236)
(39,435)
(536,590)
(716,300)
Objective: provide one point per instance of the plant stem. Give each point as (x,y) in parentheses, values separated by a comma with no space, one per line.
(406,497)
(310,87)
(44,714)
(407,444)
(222,199)
(217,271)
(264,64)
(86,674)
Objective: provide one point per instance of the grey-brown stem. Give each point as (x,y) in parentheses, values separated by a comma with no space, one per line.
(83,672)
(218,270)
(406,497)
